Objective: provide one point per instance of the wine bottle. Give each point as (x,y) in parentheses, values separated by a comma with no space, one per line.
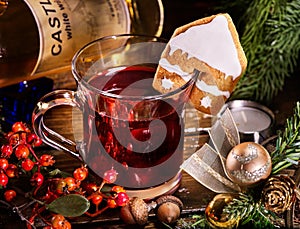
(39,38)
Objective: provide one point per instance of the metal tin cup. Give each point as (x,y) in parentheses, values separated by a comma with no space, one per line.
(254,121)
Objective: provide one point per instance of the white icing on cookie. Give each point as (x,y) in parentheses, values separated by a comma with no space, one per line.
(212,89)
(211,43)
(205,102)
(164,63)
(167,83)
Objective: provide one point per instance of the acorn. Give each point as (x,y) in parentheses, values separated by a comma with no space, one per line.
(136,211)
(168,208)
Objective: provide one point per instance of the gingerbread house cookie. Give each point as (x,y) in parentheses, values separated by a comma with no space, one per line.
(211,45)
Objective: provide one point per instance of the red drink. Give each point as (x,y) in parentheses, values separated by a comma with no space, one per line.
(141,138)
(127,124)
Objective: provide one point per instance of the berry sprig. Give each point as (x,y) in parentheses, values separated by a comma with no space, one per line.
(115,197)
(73,196)
(55,195)
(18,156)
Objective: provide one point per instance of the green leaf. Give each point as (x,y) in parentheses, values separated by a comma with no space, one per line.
(56,172)
(71,205)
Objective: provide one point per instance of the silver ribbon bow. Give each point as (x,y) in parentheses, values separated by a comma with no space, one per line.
(207,165)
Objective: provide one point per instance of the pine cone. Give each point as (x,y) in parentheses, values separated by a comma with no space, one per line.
(278,193)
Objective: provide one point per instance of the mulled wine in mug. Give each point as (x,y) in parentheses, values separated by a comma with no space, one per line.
(127,125)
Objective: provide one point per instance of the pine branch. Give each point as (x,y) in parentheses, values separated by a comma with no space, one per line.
(271,43)
(287,150)
(249,212)
(243,209)
(193,222)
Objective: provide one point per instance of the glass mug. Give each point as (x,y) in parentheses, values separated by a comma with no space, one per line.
(127,125)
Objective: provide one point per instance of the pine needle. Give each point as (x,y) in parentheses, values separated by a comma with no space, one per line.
(287,151)
(271,43)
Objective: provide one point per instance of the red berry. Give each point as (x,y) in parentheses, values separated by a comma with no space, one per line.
(37,179)
(21,151)
(13,138)
(61,186)
(110,176)
(117,189)
(46,160)
(71,183)
(57,217)
(80,173)
(11,171)
(122,199)
(3,179)
(37,142)
(111,203)
(18,126)
(89,188)
(59,222)
(9,195)
(6,150)
(27,164)
(33,139)
(96,198)
(3,164)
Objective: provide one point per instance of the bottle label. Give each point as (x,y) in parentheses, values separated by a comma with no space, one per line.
(67,25)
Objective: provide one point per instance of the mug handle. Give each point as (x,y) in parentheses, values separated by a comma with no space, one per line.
(49,136)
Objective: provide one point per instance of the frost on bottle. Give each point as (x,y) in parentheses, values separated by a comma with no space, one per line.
(39,38)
